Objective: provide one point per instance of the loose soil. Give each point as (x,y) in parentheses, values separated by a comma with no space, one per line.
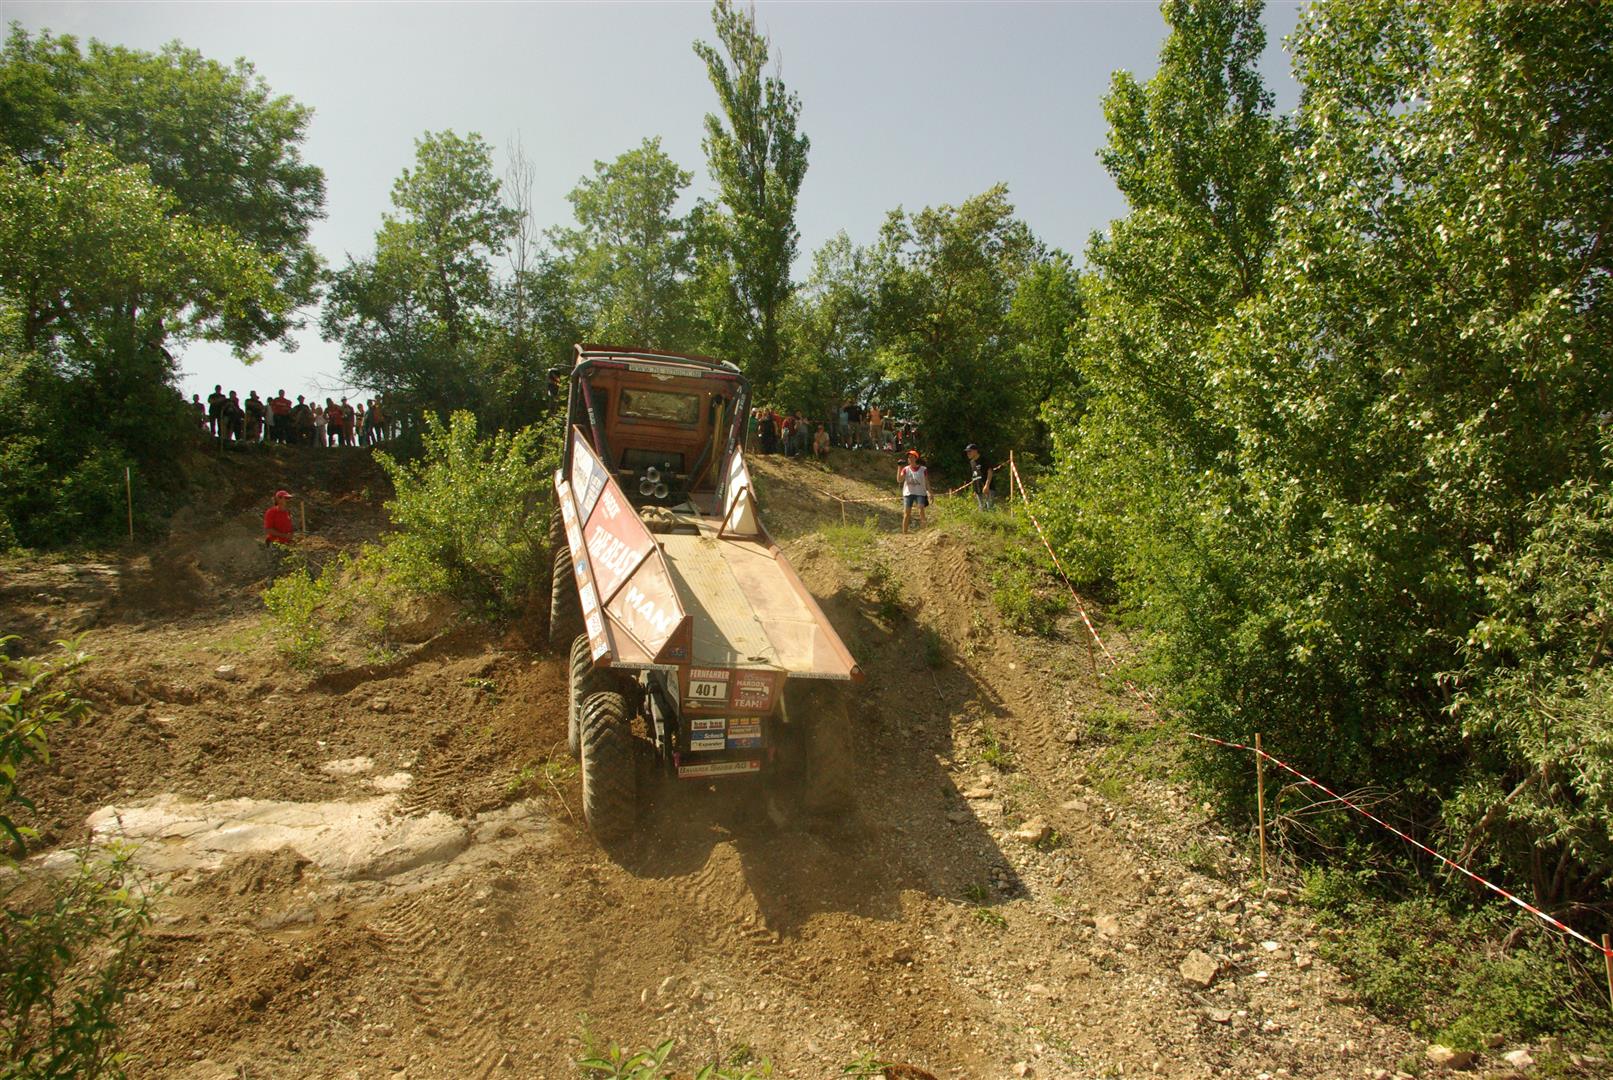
(377,868)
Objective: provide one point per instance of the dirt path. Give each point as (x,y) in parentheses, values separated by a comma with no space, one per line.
(379,871)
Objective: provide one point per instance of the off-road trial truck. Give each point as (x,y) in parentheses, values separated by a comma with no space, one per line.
(689,632)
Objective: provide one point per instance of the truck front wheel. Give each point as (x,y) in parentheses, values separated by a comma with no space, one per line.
(565,609)
(609,774)
(583,682)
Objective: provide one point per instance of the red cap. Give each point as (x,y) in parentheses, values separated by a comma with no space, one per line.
(912,453)
(282,494)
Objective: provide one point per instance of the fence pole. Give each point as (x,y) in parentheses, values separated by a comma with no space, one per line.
(1607,958)
(1260,802)
(842,511)
(128,495)
(302,505)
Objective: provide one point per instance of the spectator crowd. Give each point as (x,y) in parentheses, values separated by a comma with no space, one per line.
(301,423)
(851,428)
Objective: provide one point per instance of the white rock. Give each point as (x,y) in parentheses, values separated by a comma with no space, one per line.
(226,672)
(1199,968)
(1033,831)
(1519,1059)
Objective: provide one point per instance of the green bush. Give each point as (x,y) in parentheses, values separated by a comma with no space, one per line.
(67,946)
(471,516)
(1453,973)
(296,601)
(616,1063)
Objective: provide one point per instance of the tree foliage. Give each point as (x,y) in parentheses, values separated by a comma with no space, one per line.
(758,160)
(1341,435)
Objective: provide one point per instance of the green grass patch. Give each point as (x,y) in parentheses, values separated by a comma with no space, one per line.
(853,542)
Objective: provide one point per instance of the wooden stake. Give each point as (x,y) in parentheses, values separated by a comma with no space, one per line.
(303,507)
(128,494)
(1260,802)
(842,511)
(1607,958)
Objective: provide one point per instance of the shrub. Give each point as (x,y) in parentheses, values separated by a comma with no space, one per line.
(67,945)
(470,516)
(295,601)
(1025,601)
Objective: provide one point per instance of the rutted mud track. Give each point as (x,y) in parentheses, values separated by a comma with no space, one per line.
(917,924)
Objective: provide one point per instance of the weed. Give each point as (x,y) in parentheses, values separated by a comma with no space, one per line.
(987,917)
(1204,858)
(477,682)
(616,1063)
(1024,601)
(977,892)
(934,649)
(1052,841)
(996,752)
(885,590)
(1112,786)
(853,542)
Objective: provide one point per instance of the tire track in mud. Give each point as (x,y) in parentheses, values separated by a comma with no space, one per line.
(434,977)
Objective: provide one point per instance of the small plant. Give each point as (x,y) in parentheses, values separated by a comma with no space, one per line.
(977,892)
(852,542)
(1052,841)
(70,947)
(987,917)
(996,752)
(1026,605)
(885,590)
(616,1063)
(934,649)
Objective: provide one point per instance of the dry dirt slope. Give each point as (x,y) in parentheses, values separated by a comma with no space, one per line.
(377,869)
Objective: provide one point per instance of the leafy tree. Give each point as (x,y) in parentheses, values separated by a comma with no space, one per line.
(830,328)
(946,287)
(214,137)
(629,258)
(411,318)
(758,160)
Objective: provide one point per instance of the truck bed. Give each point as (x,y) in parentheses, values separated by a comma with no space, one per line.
(749,608)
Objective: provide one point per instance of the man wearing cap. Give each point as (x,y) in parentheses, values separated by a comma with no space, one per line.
(277,527)
(979,476)
(915,479)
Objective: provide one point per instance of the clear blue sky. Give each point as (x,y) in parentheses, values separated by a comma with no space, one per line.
(906,104)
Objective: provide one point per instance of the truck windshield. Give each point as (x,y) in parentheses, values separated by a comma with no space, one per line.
(661,405)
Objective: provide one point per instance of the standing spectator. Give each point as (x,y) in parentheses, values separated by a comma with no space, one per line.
(215,410)
(751,424)
(843,425)
(277,527)
(876,427)
(361,423)
(319,425)
(280,418)
(347,423)
(256,411)
(200,408)
(302,422)
(979,476)
(378,422)
(915,480)
(769,432)
(234,417)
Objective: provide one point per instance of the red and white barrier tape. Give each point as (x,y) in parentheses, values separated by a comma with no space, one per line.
(1498,890)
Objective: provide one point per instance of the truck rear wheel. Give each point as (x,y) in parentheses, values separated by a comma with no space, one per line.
(584,682)
(565,609)
(609,773)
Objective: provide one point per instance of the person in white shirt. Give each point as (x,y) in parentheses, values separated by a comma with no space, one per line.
(915,480)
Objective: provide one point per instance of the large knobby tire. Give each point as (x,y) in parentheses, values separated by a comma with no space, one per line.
(609,772)
(565,608)
(819,713)
(585,680)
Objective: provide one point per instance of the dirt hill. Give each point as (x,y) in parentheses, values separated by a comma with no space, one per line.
(378,869)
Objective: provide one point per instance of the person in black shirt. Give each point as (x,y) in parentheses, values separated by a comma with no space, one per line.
(979,476)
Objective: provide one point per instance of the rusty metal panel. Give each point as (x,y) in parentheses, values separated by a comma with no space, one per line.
(599,642)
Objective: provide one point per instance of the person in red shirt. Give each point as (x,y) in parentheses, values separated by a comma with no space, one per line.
(277,527)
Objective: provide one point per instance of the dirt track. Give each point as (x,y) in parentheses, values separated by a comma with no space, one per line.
(470,926)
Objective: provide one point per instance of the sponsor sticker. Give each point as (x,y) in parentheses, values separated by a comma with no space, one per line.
(590,600)
(707,723)
(714,742)
(719,768)
(745,732)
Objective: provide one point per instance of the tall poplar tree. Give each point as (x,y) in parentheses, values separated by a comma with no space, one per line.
(758,160)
